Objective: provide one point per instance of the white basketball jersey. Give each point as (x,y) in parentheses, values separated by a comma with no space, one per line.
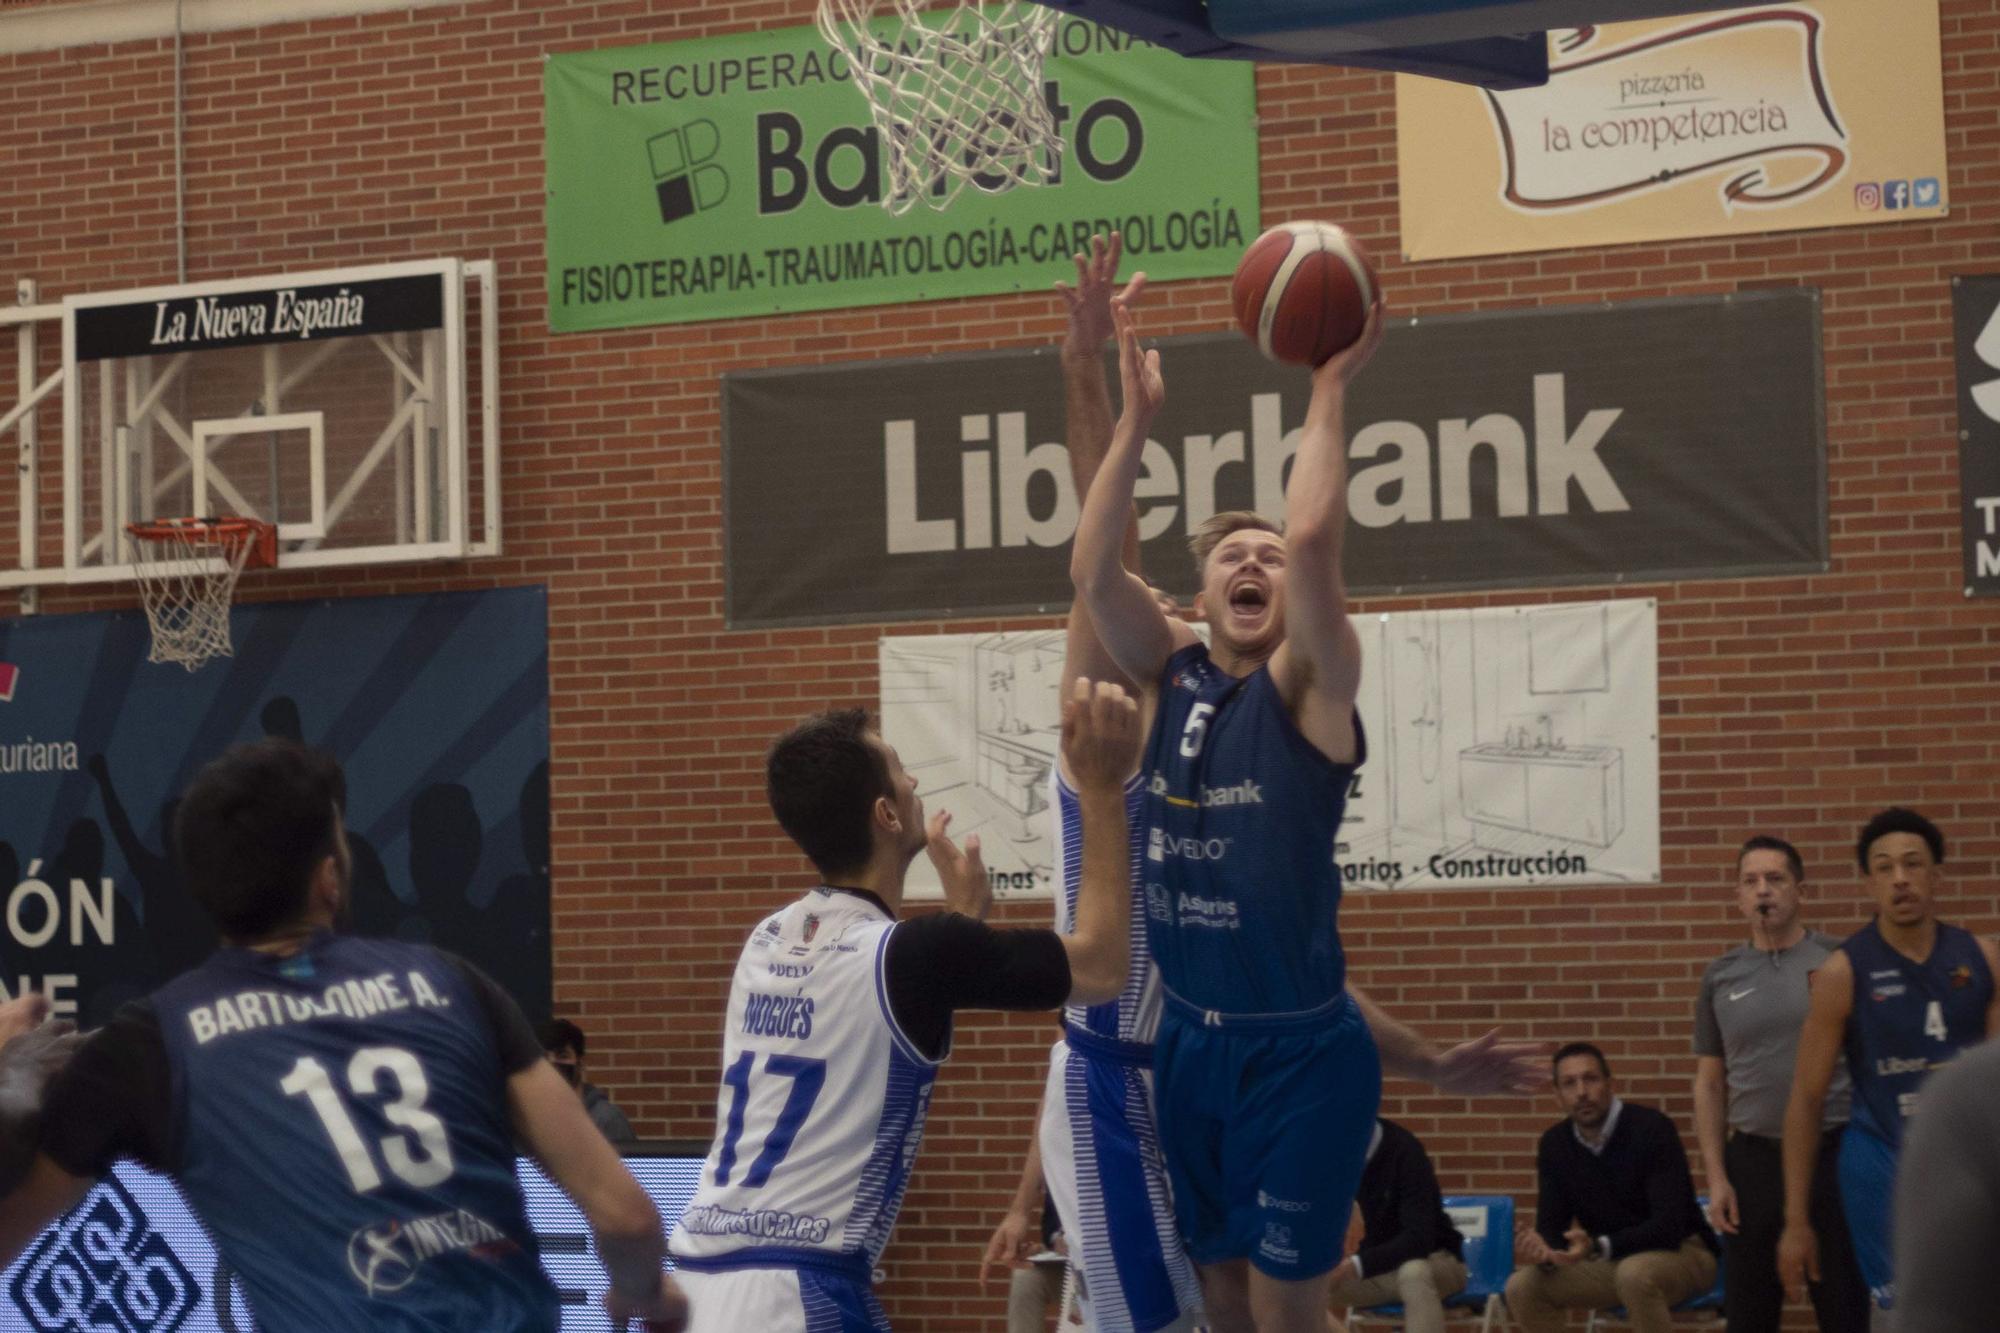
(823,1098)
(1135,1014)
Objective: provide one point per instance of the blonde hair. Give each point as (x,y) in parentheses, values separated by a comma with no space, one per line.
(1210,534)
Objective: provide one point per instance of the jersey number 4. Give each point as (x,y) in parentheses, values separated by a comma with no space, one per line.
(807,1076)
(1934,1021)
(419,1155)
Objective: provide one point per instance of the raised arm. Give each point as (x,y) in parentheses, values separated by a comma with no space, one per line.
(1318,667)
(1819,1051)
(1087,423)
(1472,1068)
(1133,629)
(1100,742)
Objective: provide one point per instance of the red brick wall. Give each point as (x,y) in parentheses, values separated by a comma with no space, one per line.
(1795,705)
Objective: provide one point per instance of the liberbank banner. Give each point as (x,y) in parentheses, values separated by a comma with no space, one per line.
(1567,445)
(447,764)
(741,175)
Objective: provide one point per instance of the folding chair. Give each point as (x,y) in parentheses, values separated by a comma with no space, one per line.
(1486,1221)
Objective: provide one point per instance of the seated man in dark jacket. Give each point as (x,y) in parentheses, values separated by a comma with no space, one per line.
(1409,1248)
(1616,1222)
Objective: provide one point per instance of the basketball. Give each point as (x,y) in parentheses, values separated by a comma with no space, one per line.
(1302,292)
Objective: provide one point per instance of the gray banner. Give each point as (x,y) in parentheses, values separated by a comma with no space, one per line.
(1976,320)
(1568,445)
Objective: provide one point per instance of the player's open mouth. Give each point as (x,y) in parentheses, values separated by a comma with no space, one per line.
(1248,601)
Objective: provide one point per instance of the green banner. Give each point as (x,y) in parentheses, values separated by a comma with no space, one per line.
(741,175)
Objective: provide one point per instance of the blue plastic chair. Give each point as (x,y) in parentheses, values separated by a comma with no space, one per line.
(1486,1221)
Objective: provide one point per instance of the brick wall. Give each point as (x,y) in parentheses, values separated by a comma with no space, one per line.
(1794,704)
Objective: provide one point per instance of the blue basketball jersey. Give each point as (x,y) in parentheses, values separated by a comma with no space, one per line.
(1908,1019)
(1241,886)
(339,1123)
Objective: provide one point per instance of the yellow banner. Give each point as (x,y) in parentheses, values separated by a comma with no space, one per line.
(1769,118)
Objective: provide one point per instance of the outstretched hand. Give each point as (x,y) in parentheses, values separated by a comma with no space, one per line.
(23,1013)
(29,1059)
(1139,375)
(1100,734)
(1091,299)
(968,889)
(1486,1065)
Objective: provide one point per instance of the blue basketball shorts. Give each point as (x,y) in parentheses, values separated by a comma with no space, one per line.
(1265,1125)
(1867,1195)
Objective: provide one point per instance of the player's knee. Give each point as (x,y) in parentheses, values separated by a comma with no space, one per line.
(1635,1283)
(1521,1287)
(1415,1279)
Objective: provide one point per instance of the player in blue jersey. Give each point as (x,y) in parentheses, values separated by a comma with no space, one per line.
(1095,1147)
(341,1113)
(1902,997)
(1268,1075)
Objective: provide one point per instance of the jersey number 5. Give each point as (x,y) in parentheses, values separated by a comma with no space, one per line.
(807,1076)
(1196,730)
(423,1163)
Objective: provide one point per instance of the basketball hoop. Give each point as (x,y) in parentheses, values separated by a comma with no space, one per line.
(187,570)
(956,94)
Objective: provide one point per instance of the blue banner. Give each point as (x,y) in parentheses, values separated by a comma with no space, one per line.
(436,706)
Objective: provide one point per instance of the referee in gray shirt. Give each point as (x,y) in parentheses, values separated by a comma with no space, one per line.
(1746,1038)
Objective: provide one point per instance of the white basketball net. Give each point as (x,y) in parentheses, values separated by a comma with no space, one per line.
(956,93)
(186,582)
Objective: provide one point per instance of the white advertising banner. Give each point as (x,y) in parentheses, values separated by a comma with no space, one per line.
(1507,746)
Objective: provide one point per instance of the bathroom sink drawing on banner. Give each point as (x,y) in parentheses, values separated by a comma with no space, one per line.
(977,718)
(1508,745)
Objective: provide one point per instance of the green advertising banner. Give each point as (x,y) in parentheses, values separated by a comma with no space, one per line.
(742,175)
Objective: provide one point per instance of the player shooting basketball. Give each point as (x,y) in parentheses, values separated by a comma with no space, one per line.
(1268,1076)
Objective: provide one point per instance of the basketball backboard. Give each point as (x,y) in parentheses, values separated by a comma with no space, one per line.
(1493,43)
(337,405)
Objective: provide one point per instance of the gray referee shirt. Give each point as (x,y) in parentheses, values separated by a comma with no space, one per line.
(1752,1005)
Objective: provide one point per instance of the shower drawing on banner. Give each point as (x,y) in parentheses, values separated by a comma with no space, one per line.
(1507,746)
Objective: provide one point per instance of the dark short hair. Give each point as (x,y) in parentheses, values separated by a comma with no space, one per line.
(1896,819)
(559,1034)
(1581,1048)
(822,778)
(251,830)
(1764,842)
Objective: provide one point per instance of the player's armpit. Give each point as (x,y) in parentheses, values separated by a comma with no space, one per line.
(45,1194)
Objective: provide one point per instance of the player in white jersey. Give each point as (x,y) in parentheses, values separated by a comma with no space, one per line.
(840,1015)
(1096,1148)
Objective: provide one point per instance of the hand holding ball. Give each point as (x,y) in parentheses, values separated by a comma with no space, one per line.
(1303,292)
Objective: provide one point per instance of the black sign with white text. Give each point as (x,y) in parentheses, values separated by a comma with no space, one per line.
(1566,445)
(200,323)
(1976,322)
